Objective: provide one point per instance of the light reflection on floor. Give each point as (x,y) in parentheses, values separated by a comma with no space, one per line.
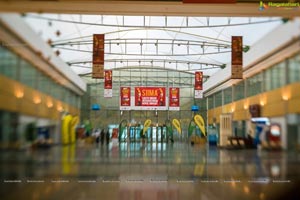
(152,171)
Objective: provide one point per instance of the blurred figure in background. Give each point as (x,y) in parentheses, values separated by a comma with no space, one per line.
(96,135)
(107,136)
(102,135)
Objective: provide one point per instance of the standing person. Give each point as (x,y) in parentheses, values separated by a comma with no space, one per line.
(102,134)
(107,136)
(97,136)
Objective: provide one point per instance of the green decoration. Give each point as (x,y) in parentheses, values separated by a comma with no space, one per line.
(191,128)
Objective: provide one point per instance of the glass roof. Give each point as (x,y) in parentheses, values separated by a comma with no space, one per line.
(139,43)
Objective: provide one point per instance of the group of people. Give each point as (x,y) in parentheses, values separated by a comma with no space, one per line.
(102,136)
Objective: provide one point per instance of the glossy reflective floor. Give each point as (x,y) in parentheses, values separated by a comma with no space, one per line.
(151,171)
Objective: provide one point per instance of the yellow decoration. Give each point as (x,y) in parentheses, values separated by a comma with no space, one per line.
(176,124)
(73,124)
(65,129)
(146,125)
(200,123)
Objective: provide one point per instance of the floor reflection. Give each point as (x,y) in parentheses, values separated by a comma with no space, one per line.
(150,171)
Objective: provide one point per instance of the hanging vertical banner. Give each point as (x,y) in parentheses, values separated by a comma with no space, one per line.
(174,103)
(125,98)
(150,98)
(198,85)
(98,56)
(108,79)
(237,57)
(108,83)
(198,80)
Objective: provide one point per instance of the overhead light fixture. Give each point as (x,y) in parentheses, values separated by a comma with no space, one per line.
(19,93)
(49,104)
(37,100)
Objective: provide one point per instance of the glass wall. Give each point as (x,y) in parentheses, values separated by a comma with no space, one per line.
(294,69)
(228,95)
(285,72)
(20,70)
(110,111)
(28,74)
(218,99)
(211,102)
(239,91)
(8,64)
(275,76)
(254,85)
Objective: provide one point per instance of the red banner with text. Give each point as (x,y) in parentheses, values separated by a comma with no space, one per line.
(237,57)
(98,56)
(150,96)
(108,79)
(198,80)
(108,83)
(174,103)
(125,96)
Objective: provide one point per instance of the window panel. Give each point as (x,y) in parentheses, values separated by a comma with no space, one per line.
(254,85)
(294,69)
(218,99)
(228,95)
(239,91)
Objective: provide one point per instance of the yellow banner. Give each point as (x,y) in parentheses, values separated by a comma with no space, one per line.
(146,125)
(72,127)
(65,129)
(200,123)
(176,124)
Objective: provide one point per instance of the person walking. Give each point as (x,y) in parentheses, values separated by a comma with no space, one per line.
(107,136)
(102,135)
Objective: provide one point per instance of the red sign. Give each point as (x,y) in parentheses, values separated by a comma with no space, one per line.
(237,57)
(198,80)
(108,79)
(174,97)
(150,96)
(125,96)
(98,56)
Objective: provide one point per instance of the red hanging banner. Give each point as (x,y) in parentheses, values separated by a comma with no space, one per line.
(237,57)
(98,56)
(108,79)
(174,103)
(125,96)
(198,80)
(150,96)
